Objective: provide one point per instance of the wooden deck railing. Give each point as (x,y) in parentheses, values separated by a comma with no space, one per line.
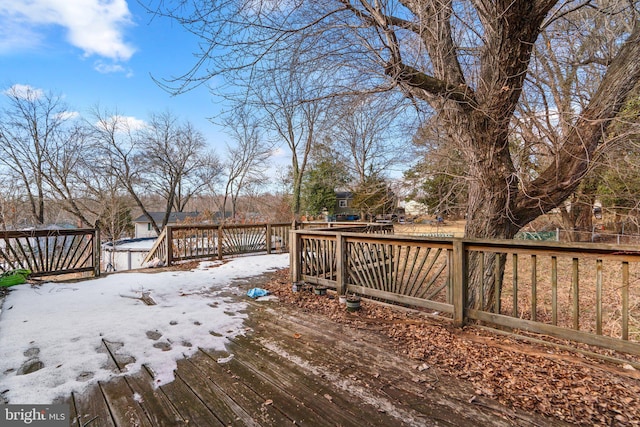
(194,241)
(587,293)
(51,252)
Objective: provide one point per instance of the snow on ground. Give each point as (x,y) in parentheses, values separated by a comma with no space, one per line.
(63,325)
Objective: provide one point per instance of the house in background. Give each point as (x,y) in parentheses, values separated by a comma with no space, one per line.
(344,207)
(144,227)
(414,208)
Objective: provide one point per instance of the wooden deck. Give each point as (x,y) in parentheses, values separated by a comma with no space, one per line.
(293,369)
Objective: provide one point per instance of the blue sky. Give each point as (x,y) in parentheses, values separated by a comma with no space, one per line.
(102,52)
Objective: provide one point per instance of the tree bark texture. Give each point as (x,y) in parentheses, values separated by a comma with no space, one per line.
(477,120)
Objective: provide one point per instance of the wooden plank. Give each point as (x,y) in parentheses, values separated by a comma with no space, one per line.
(557,249)
(154,402)
(534,288)
(193,410)
(390,383)
(119,361)
(271,372)
(482,264)
(403,299)
(497,281)
(515,284)
(598,297)
(459,281)
(420,269)
(403,254)
(557,331)
(91,409)
(419,258)
(124,408)
(341,266)
(436,275)
(73,414)
(554,290)
(218,400)
(341,349)
(267,406)
(625,301)
(575,291)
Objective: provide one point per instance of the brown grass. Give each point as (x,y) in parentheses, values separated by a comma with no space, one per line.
(587,296)
(456,228)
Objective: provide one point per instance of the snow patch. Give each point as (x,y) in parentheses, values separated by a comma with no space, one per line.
(58,331)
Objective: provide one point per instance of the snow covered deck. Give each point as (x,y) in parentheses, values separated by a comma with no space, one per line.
(206,355)
(287,370)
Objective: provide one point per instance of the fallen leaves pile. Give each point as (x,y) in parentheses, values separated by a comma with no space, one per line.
(555,382)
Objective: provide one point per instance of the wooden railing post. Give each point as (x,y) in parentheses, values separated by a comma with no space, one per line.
(169,243)
(220,242)
(267,235)
(341,264)
(459,277)
(294,255)
(97,247)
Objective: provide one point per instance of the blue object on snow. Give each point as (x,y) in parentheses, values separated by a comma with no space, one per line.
(257,292)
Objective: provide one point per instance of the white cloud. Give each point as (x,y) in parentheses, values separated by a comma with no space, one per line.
(16,36)
(278,152)
(95,26)
(104,68)
(68,115)
(132,122)
(124,123)
(27,92)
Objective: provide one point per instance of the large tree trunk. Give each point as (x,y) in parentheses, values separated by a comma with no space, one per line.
(472,73)
(499,205)
(577,216)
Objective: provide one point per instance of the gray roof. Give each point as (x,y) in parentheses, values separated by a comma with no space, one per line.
(173,218)
(344,195)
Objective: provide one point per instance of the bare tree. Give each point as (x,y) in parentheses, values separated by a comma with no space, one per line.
(369,134)
(246,161)
(296,113)
(162,157)
(117,154)
(31,127)
(563,76)
(11,203)
(466,61)
(103,197)
(174,160)
(64,167)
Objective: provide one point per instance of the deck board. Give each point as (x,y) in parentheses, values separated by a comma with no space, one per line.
(91,409)
(124,408)
(215,398)
(291,370)
(323,400)
(189,406)
(261,405)
(154,402)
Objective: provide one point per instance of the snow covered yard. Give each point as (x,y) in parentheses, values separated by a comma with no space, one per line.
(52,336)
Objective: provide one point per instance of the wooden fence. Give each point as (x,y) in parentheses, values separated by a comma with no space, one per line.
(587,293)
(196,241)
(51,252)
